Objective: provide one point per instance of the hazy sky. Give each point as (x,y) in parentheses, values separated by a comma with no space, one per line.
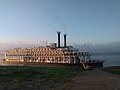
(85,21)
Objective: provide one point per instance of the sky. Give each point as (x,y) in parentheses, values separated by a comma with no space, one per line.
(35,21)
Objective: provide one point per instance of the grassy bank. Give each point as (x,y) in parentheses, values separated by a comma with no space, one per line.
(34,78)
(114,70)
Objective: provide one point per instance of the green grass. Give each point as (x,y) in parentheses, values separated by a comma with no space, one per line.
(35,78)
(114,70)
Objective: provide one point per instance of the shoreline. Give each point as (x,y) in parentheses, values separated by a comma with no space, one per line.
(112,67)
(2,63)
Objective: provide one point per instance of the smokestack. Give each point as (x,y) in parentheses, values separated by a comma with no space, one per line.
(58,39)
(65,40)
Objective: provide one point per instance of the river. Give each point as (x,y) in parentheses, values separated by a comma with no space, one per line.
(109,60)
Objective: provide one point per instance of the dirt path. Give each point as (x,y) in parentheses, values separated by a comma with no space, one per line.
(95,80)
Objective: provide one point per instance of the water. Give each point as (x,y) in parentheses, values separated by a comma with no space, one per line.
(2,56)
(110,60)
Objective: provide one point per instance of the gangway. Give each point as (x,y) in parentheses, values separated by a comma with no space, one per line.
(85,65)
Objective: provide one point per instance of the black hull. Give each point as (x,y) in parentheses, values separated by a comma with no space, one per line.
(96,64)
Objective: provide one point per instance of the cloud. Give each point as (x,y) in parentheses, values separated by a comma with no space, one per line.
(11,45)
(112,47)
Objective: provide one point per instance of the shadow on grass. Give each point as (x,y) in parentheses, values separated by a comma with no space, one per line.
(35,78)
